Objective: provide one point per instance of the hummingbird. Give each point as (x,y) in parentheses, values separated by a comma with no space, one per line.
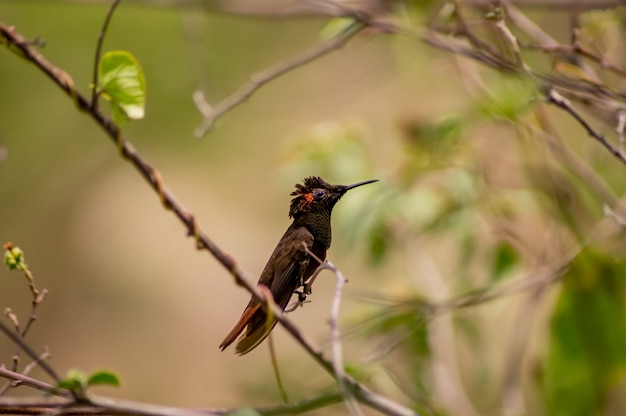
(291,265)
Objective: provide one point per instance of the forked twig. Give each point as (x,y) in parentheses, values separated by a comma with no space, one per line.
(333,322)
(212,113)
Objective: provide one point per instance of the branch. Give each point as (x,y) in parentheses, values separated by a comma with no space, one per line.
(562,102)
(98,406)
(256,81)
(333,322)
(31,382)
(19,341)
(44,356)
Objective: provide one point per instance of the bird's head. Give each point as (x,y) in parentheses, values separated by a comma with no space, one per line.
(317,195)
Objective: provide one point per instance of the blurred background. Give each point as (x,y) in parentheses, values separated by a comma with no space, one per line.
(481,184)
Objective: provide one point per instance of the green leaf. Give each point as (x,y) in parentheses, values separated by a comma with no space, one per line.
(509,100)
(585,369)
(335,26)
(245,412)
(378,243)
(122,83)
(14,257)
(75,381)
(505,258)
(104,377)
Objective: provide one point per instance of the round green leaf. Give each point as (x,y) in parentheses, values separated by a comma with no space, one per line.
(122,83)
(104,378)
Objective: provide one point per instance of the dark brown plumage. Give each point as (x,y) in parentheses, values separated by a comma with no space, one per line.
(290,265)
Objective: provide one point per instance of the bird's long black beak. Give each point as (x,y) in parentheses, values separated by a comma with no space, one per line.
(354,185)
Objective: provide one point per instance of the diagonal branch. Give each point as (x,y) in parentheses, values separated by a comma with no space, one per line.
(563,103)
(19,341)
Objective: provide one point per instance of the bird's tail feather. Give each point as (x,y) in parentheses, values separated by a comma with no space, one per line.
(253,338)
(246,316)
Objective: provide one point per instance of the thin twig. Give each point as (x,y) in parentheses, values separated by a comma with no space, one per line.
(279,380)
(101,35)
(562,102)
(619,128)
(19,341)
(333,322)
(256,81)
(38,297)
(44,356)
(510,38)
(609,213)
(34,383)
(520,20)
(39,405)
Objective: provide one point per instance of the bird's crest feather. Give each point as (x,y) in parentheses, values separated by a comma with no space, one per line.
(303,193)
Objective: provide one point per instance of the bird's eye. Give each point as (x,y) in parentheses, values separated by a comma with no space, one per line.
(318,194)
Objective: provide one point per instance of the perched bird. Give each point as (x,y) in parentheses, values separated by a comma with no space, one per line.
(290,265)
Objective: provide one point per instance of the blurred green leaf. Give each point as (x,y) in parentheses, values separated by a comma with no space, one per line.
(504,258)
(586,362)
(75,381)
(245,412)
(331,149)
(78,382)
(122,83)
(378,242)
(359,372)
(104,377)
(335,26)
(431,144)
(438,136)
(14,257)
(510,98)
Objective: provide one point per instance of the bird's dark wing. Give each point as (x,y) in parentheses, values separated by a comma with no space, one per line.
(283,274)
(289,269)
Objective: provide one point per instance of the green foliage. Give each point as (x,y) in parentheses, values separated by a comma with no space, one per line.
(586,364)
(432,144)
(405,320)
(504,259)
(358,371)
(245,412)
(122,83)
(332,149)
(510,98)
(335,27)
(79,382)
(103,378)
(14,257)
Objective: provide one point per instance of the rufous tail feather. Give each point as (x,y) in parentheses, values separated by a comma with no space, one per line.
(240,326)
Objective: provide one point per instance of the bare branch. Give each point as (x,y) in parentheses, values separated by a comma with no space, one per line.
(333,322)
(28,381)
(256,81)
(562,102)
(19,341)
(619,128)
(39,405)
(44,356)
